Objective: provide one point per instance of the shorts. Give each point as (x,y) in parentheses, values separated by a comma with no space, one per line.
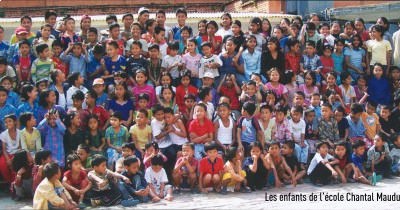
(228,175)
(166,189)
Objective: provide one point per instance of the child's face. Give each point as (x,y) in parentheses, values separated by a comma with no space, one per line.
(57,50)
(141,118)
(286,150)
(230,46)
(206,50)
(278,33)
(98,89)
(167,94)
(236,30)
(272,46)
(89,100)
(70,25)
(185,81)
(126,152)
(223,112)
(359,150)
(31,122)
(339,116)
(348,30)
(255,151)
(133,168)
(92,37)
(200,112)
(265,114)
(83,155)
(114,33)
(310,33)
(81,80)
(323,150)
(111,50)
(150,150)
(385,113)
(308,80)
(166,80)
(46,32)
(6,84)
(101,168)
(397,142)
(251,90)
(378,142)
(340,151)
(159,115)
(252,43)
(76,121)
(378,71)
(169,118)
(115,122)
(296,116)
(326,112)
(154,53)
(77,103)
(142,103)
(274,77)
(324,31)
(310,116)
(181,18)
(202,28)
(191,47)
(370,109)
(156,168)
(45,53)
(160,37)
(339,47)
(185,35)
(356,42)
(361,82)
(135,50)
(135,30)
(274,150)
(93,124)
(327,53)
(279,116)
(348,80)
(140,78)
(315,100)
(335,28)
(355,116)
(24,49)
(10,123)
(395,74)
(189,103)
(212,154)
(331,80)
(52,120)
(160,19)
(310,50)
(52,98)
(187,151)
(298,100)
(119,91)
(207,82)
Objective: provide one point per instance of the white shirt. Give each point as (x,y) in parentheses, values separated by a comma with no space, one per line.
(297,129)
(158,90)
(170,61)
(178,140)
(156,178)
(12,145)
(224,134)
(157,127)
(316,159)
(396,48)
(71,92)
(222,32)
(203,68)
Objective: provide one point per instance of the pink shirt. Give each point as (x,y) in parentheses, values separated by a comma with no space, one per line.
(149,90)
(192,62)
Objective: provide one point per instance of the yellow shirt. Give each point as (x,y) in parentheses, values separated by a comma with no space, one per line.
(45,193)
(31,141)
(370,122)
(378,50)
(142,135)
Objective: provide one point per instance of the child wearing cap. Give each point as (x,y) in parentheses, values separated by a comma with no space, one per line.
(98,87)
(20,34)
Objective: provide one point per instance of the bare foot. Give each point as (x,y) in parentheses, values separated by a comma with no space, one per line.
(169,198)
(156,199)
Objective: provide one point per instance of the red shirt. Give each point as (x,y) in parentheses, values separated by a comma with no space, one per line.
(218,39)
(75,182)
(58,64)
(292,62)
(102,114)
(200,130)
(180,96)
(327,63)
(208,167)
(232,95)
(25,67)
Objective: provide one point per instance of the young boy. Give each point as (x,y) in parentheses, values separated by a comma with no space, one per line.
(92,38)
(135,61)
(50,194)
(175,33)
(343,165)
(58,63)
(248,129)
(161,17)
(5,108)
(327,126)
(116,135)
(282,125)
(297,128)
(45,37)
(77,100)
(98,87)
(43,65)
(379,160)
(159,39)
(114,35)
(94,69)
(185,170)
(76,81)
(23,61)
(310,61)
(173,63)
(311,133)
(128,150)
(209,62)
(157,180)
(208,81)
(154,64)
(211,168)
(4,45)
(395,155)
(371,122)
(205,97)
(250,93)
(298,171)
(138,188)
(99,111)
(358,160)
(320,169)
(77,60)
(387,123)
(356,126)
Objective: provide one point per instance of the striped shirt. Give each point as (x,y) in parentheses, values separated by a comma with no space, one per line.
(41,69)
(53,139)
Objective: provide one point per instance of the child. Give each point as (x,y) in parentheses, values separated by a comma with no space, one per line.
(115,136)
(310,61)
(167,98)
(267,124)
(234,175)
(343,124)
(205,97)
(69,35)
(327,127)
(143,100)
(138,188)
(4,45)
(356,126)
(50,193)
(185,35)
(191,60)
(98,87)
(128,150)
(209,62)
(75,179)
(273,57)
(94,68)
(250,93)
(208,81)
(248,129)
(228,87)
(172,62)
(255,30)
(165,80)
(22,165)
(154,64)
(358,160)
(30,135)
(136,30)
(379,50)
(348,93)
(185,170)
(214,40)
(94,137)
(184,88)
(122,103)
(13,97)
(297,128)
(76,81)
(159,39)
(278,165)
(344,166)
(211,169)
(326,38)
(282,125)
(225,127)
(99,111)
(251,57)
(104,192)
(157,180)
(310,86)
(326,61)
(43,65)
(387,123)
(77,60)
(201,130)
(115,36)
(83,152)
(181,16)
(142,87)
(274,84)
(29,95)
(379,160)
(320,169)
(175,128)
(23,61)
(187,114)
(395,156)
(151,150)
(292,57)
(311,133)
(331,92)
(338,56)
(232,62)
(256,167)
(58,63)
(377,85)
(298,172)
(141,131)
(291,86)
(356,58)
(371,123)
(135,61)
(41,159)
(113,62)
(73,135)
(52,131)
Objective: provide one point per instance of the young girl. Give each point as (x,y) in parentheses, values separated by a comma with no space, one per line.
(272,57)
(150,24)
(142,87)
(202,31)
(94,137)
(29,95)
(291,86)
(57,49)
(356,58)
(184,88)
(361,90)
(228,87)
(274,84)
(73,135)
(331,88)
(165,80)
(251,57)
(185,35)
(116,135)
(113,62)
(83,152)
(59,87)
(231,62)
(176,131)
(122,103)
(10,144)
(191,61)
(225,127)
(52,131)
(348,31)
(216,41)
(141,131)
(338,56)
(347,91)
(30,136)
(47,101)
(69,35)
(167,98)
(151,149)
(267,124)
(41,159)
(326,61)
(237,35)
(266,28)
(255,30)
(22,165)
(360,29)
(379,87)
(234,175)
(275,158)
(379,50)
(75,179)
(256,167)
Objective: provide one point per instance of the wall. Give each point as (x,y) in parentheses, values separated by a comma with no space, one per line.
(268,6)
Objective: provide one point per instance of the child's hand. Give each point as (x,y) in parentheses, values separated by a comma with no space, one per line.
(382,157)
(70,45)
(102,184)
(334,173)
(126,180)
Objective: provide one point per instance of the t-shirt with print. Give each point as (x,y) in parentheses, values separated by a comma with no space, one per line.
(156,178)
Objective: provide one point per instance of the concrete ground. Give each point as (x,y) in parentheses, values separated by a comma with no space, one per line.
(256,200)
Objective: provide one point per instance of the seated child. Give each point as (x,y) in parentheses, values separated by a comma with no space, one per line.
(256,167)
(371,123)
(234,176)
(84,155)
(116,135)
(298,172)
(30,136)
(343,165)
(128,149)
(157,180)
(278,165)
(395,155)
(141,131)
(185,170)
(41,159)
(320,169)
(104,191)
(151,150)
(50,193)
(358,160)
(211,168)
(138,188)
(22,165)
(75,179)
(379,160)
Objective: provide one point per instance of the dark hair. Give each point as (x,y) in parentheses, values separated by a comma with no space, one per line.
(359,39)
(300,93)
(319,144)
(167,87)
(127,93)
(339,40)
(266,106)
(358,143)
(181,10)
(189,144)
(341,143)
(202,105)
(249,107)
(256,144)
(25,117)
(154,46)
(138,43)
(41,156)
(3,89)
(148,23)
(57,43)
(27,88)
(157,160)
(257,21)
(386,107)
(310,43)
(372,104)
(143,111)
(51,169)
(43,96)
(130,160)
(127,15)
(20,160)
(356,108)
(379,29)
(68,119)
(158,29)
(203,92)
(290,144)
(73,77)
(310,26)
(41,47)
(49,13)
(117,115)
(237,22)
(224,104)
(97,160)
(22,42)
(308,111)
(71,158)
(3,61)
(93,30)
(324,25)
(152,144)
(327,105)
(11,116)
(189,96)
(129,145)
(173,45)
(168,110)
(193,40)
(213,23)
(210,146)
(231,153)
(92,94)
(340,109)
(111,17)
(282,109)
(113,44)
(143,96)
(186,28)
(344,75)
(292,42)
(78,95)
(25,17)
(160,11)
(386,22)
(84,147)
(297,109)
(274,143)
(276,42)
(156,108)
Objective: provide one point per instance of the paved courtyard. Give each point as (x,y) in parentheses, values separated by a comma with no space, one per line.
(256,200)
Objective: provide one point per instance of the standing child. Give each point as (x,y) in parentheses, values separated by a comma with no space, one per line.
(310,61)
(209,62)
(172,62)
(343,124)
(250,93)
(184,88)
(356,126)
(135,61)
(167,98)
(154,64)
(43,65)
(212,38)
(141,131)
(13,98)
(29,95)
(311,133)
(320,169)
(292,57)
(228,87)
(326,61)
(328,127)
(115,136)
(282,133)
(136,31)
(234,175)
(291,86)
(159,40)
(347,91)
(77,60)
(185,35)
(113,62)
(225,127)
(309,87)
(377,85)
(267,124)
(356,58)
(58,63)
(181,16)
(192,61)
(30,135)
(23,61)
(157,180)
(73,135)
(388,124)
(379,50)
(69,35)
(297,128)
(185,170)
(22,164)
(76,81)
(251,57)
(232,62)
(255,30)
(338,56)
(142,87)
(248,129)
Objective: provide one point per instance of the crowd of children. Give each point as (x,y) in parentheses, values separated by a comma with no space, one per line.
(140,111)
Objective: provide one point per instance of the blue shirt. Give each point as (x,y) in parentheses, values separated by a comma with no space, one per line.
(76,64)
(358,161)
(13,98)
(26,107)
(356,57)
(12,51)
(102,100)
(338,61)
(252,62)
(249,129)
(176,31)
(93,65)
(52,138)
(122,109)
(379,90)
(227,66)
(356,129)
(4,46)
(134,64)
(6,110)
